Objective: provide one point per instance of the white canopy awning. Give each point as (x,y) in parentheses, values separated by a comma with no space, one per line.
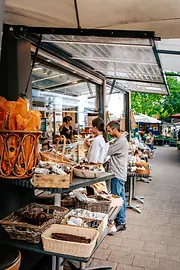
(169,54)
(146,119)
(130,60)
(162,16)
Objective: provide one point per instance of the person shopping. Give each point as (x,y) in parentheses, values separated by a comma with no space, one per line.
(66,128)
(118,152)
(150,141)
(98,149)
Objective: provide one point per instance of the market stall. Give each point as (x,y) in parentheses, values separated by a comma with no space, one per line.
(147,124)
(140,71)
(23,167)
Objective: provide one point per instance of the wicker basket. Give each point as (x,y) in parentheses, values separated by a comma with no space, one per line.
(66,247)
(67,201)
(32,233)
(54,156)
(86,173)
(19,153)
(101,206)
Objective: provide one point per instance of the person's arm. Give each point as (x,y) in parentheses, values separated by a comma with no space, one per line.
(87,143)
(113,149)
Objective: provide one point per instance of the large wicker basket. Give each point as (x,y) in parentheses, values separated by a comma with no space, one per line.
(55,156)
(67,247)
(32,233)
(101,206)
(18,153)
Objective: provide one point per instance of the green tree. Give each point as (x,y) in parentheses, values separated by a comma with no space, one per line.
(171,103)
(149,104)
(155,105)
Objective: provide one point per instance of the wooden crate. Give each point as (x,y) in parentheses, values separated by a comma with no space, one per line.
(52,180)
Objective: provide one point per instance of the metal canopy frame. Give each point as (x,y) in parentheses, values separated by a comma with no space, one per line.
(91,65)
(56,67)
(86,32)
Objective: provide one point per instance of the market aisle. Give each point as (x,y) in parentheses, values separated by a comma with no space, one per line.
(152,238)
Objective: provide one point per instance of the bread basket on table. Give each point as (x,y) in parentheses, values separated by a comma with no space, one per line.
(67,247)
(54,180)
(87,173)
(32,233)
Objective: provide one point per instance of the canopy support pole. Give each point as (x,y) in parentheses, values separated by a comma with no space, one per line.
(127,113)
(101,100)
(15,66)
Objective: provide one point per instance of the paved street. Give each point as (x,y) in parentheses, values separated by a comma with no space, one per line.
(152,238)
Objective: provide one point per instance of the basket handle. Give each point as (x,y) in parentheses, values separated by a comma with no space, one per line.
(64,145)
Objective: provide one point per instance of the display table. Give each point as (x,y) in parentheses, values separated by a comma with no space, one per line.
(159,141)
(23,245)
(131,182)
(19,188)
(76,183)
(165,141)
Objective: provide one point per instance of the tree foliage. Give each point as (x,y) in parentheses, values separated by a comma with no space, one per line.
(158,105)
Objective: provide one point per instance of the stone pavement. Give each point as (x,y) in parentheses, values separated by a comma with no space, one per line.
(152,238)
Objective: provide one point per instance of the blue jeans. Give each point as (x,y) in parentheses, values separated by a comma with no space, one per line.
(117,188)
(151,146)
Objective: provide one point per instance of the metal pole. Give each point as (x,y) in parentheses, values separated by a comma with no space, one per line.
(101,99)
(57,262)
(2,3)
(97,97)
(111,90)
(60,264)
(104,96)
(127,110)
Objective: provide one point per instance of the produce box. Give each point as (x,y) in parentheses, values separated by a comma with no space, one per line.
(91,216)
(116,201)
(51,181)
(101,224)
(52,175)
